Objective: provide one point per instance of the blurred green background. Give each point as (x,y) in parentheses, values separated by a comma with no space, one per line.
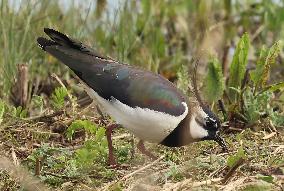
(162,36)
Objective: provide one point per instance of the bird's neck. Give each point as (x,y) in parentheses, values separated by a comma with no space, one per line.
(188,130)
(180,136)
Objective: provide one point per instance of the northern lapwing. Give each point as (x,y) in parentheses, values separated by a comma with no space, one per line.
(145,103)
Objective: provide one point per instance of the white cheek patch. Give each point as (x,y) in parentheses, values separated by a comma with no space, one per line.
(196,130)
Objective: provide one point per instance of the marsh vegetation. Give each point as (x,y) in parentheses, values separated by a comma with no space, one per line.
(53,137)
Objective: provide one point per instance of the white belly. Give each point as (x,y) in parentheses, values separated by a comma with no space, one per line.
(146,124)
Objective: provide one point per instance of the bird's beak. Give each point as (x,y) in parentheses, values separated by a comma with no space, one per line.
(221,142)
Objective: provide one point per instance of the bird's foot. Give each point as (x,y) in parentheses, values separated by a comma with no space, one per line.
(111,161)
(114,165)
(142,149)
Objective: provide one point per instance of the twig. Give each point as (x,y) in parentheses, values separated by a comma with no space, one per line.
(86,187)
(121,136)
(233,185)
(278,149)
(235,129)
(194,83)
(269,136)
(24,82)
(141,169)
(51,134)
(38,165)
(85,101)
(272,125)
(222,108)
(44,117)
(14,156)
(217,171)
(57,175)
(257,32)
(227,96)
(135,172)
(188,182)
(206,182)
(225,60)
(20,92)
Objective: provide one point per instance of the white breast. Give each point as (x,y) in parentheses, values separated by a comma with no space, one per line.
(146,124)
(197,131)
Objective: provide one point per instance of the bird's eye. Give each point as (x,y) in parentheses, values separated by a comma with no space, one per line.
(211,123)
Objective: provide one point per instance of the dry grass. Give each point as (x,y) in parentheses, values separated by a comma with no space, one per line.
(197,166)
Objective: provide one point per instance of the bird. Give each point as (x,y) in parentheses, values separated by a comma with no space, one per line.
(145,103)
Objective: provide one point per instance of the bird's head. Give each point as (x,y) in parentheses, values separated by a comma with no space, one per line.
(205,125)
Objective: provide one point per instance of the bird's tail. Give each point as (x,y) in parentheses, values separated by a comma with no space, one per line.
(60,39)
(69,51)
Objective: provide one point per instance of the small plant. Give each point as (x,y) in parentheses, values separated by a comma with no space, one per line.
(53,161)
(19,112)
(58,97)
(95,145)
(38,102)
(248,96)
(234,159)
(92,151)
(87,125)
(15,112)
(174,172)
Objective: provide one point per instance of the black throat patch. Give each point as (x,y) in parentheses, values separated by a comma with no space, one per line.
(180,136)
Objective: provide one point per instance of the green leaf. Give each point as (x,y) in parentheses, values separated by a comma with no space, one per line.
(214,81)
(58,97)
(19,112)
(270,59)
(233,159)
(183,79)
(85,157)
(266,58)
(256,75)
(256,105)
(257,186)
(38,101)
(277,118)
(100,134)
(81,124)
(265,178)
(2,110)
(238,65)
(273,87)
(237,90)
(93,150)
